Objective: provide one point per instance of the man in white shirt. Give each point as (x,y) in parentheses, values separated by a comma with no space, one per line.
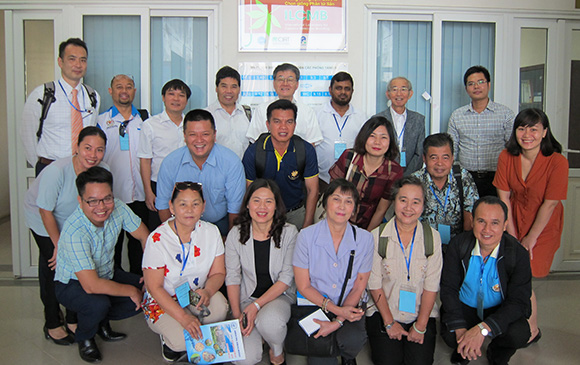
(409,125)
(122,124)
(286,82)
(72,107)
(339,123)
(231,118)
(160,135)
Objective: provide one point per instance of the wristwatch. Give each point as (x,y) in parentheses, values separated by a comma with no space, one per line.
(484,330)
(390,325)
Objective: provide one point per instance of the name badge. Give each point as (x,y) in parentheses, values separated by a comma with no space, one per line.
(182,293)
(403,159)
(407,300)
(339,148)
(124,142)
(445,233)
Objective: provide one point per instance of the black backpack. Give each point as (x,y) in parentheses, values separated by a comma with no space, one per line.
(48,98)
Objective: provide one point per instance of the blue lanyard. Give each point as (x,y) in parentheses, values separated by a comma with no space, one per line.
(183,257)
(71,104)
(343,124)
(402,131)
(407,261)
(446,195)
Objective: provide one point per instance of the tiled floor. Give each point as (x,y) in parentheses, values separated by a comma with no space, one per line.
(22,341)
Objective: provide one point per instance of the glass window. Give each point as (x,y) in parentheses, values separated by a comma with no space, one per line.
(463,45)
(574,120)
(109,55)
(179,51)
(533,53)
(404,49)
(39,57)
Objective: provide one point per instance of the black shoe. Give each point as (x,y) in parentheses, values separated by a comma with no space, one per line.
(170,355)
(457,359)
(107,334)
(89,351)
(535,339)
(65,341)
(348,362)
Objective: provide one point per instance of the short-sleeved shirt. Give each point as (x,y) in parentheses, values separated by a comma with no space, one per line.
(54,190)
(335,129)
(222,177)
(231,129)
(370,188)
(123,160)
(327,269)
(159,137)
(306,123)
(487,280)
(480,137)
(84,246)
(390,273)
(283,169)
(451,215)
(163,250)
(56,140)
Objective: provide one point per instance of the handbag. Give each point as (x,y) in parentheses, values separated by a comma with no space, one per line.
(297,342)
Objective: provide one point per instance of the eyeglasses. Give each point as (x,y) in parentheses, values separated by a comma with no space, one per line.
(402,89)
(289,80)
(180,186)
(123,128)
(95,202)
(478,82)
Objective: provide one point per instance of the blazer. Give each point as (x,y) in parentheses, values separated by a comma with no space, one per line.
(412,139)
(241,268)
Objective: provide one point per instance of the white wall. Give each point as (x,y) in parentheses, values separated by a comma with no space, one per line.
(4,188)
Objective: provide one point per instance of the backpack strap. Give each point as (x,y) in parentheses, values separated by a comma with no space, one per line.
(144,114)
(457,176)
(47,99)
(261,155)
(248,111)
(92,95)
(300,153)
(427,240)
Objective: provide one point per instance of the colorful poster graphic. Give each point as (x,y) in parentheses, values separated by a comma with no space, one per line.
(258,87)
(221,342)
(292,25)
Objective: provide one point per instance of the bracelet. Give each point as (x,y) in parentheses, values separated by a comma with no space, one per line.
(257,305)
(419,332)
(325,304)
(341,323)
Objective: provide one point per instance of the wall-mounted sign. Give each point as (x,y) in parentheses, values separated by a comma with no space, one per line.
(292,25)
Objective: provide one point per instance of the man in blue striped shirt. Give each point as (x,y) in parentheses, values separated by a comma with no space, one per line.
(480,130)
(86,281)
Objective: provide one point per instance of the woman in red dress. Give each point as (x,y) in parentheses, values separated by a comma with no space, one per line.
(532,179)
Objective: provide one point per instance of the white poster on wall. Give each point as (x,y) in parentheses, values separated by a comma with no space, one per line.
(258,86)
(292,25)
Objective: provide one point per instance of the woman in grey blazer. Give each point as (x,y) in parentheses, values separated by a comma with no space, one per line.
(259,275)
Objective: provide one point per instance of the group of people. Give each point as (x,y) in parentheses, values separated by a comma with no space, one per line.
(227,195)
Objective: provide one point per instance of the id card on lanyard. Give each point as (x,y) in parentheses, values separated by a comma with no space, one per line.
(407,294)
(339,145)
(444,229)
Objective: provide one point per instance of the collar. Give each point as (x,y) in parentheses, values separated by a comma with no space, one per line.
(323,239)
(431,183)
(114,111)
(491,106)
(165,118)
(477,250)
(188,158)
(67,87)
(394,113)
(329,109)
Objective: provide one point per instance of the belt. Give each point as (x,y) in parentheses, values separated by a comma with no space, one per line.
(295,208)
(45,161)
(482,174)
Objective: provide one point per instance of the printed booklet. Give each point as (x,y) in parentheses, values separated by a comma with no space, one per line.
(221,342)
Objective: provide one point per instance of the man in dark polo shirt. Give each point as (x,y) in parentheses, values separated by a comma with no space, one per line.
(287,159)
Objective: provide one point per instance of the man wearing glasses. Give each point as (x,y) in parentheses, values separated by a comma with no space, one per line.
(480,130)
(286,82)
(409,125)
(86,279)
(122,125)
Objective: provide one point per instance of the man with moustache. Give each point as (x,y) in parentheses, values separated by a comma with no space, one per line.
(73,107)
(339,123)
(122,124)
(409,125)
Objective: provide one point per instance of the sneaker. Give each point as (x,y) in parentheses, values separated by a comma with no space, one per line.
(169,355)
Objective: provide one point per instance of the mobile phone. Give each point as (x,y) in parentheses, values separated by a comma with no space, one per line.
(244,320)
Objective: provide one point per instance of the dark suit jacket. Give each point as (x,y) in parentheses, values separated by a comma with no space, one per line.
(412,139)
